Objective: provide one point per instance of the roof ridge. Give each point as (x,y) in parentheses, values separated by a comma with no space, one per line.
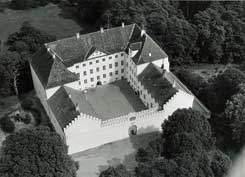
(72,37)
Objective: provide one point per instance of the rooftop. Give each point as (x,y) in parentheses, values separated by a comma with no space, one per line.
(153,79)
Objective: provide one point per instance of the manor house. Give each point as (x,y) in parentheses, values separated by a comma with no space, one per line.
(107,85)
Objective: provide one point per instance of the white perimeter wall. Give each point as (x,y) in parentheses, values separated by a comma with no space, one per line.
(79,139)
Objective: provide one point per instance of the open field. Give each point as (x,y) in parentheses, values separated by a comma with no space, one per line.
(49,19)
(95,160)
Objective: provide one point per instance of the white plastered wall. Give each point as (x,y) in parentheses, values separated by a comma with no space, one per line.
(111,130)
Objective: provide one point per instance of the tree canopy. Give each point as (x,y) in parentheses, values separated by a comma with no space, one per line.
(35,152)
(209,32)
(235,113)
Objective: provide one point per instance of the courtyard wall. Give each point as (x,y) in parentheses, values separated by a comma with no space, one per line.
(89,132)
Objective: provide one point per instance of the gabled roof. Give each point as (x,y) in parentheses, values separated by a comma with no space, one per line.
(153,80)
(73,50)
(51,72)
(62,107)
(150,51)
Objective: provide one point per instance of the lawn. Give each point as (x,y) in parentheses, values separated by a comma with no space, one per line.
(49,18)
(95,160)
(111,100)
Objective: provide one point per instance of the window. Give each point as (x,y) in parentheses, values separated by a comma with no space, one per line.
(92,79)
(98,77)
(84,73)
(151,105)
(116,72)
(91,71)
(104,75)
(127,64)
(104,67)
(85,81)
(79,82)
(110,57)
(77,66)
(97,61)
(90,62)
(84,64)
(122,54)
(110,65)
(97,69)
(122,62)
(116,64)
(103,59)
(122,70)
(144,96)
(110,73)
(116,56)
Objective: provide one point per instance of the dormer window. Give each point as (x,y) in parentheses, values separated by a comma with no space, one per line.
(149,54)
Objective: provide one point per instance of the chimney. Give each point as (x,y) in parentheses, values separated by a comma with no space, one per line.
(48,49)
(78,35)
(142,32)
(53,56)
(69,95)
(77,108)
(101,30)
(123,25)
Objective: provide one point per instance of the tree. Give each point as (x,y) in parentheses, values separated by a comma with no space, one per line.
(235,113)
(21,45)
(12,63)
(6,124)
(5,86)
(118,171)
(35,152)
(188,124)
(192,80)
(220,89)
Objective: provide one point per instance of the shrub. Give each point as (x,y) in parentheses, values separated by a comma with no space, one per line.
(26,119)
(7,125)
(26,104)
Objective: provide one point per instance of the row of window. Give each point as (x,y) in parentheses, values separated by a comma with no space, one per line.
(97,61)
(104,68)
(104,76)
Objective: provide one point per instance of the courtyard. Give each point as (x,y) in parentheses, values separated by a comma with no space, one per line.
(108,101)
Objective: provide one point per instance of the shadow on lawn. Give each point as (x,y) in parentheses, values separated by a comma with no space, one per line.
(137,141)
(69,11)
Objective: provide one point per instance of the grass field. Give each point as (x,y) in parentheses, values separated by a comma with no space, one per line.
(95,160)
(49,18)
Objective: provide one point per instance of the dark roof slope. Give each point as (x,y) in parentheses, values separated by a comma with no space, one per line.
(62,107)
(153,80)
(51,72)
(42,62)
(72,50)
(149,52)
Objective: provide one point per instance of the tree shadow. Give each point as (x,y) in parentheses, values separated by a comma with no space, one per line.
(69,11)
(112,162)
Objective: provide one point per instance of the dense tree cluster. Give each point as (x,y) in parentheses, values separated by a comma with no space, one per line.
(27,4)
(35,152)
(14,68)
(210,32)
(220,89)
(235,113)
